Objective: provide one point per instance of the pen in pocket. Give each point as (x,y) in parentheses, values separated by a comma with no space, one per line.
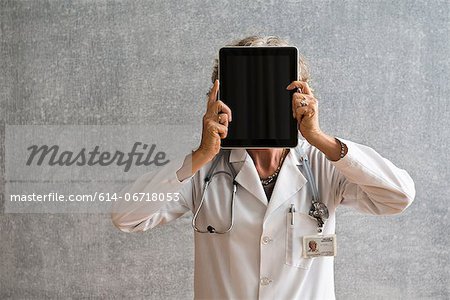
(292,211)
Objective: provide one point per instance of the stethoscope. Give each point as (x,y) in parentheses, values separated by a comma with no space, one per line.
(208,179)
(318,210)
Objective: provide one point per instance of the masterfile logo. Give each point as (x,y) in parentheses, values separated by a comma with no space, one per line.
(87,165)
(54,156)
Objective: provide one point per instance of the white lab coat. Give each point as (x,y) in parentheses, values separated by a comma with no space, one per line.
(261,258)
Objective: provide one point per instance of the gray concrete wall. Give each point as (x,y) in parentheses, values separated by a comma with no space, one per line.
(380,70)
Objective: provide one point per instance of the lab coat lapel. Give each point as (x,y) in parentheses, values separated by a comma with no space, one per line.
(290,180)
(247,176)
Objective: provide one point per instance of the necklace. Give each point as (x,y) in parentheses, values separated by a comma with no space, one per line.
(271,178)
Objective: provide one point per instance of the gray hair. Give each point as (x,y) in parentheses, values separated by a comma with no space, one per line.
(271,40)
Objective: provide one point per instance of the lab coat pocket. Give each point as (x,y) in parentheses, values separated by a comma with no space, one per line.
(303,225)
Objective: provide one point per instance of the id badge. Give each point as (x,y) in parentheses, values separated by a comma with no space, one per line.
(319,245)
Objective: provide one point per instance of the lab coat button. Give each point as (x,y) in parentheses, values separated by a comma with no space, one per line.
(266,240)
(265,281)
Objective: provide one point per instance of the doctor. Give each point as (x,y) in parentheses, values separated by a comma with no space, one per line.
(261,257)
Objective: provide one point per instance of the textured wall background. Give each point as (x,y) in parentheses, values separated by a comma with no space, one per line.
(379,68)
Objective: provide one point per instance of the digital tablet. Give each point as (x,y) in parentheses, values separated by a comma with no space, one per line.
(253,83)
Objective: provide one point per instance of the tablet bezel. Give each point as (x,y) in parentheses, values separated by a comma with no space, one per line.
(292,142)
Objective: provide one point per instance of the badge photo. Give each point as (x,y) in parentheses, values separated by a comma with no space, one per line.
(319,245)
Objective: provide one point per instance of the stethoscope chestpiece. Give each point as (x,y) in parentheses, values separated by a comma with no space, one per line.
(319,211)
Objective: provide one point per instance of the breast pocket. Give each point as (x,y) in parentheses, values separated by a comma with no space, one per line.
(303,225)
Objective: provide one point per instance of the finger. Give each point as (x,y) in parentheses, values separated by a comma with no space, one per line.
(297,100)
(220,107)
(297,103)
(298,113)
(222,119)
(302,103)
(300,96)
(212,97)
(295,84)
(214,128)
(301,112)
(304,111)
(306,88)
(221,130)
(301,85)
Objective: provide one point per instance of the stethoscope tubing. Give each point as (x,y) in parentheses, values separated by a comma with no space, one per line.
(208,180)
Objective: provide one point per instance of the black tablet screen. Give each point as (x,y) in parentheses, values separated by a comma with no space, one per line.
(253,84)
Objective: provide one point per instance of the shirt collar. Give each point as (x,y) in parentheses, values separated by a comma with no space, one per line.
(240,154)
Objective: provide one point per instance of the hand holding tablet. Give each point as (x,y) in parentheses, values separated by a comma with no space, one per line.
(215,124)
(305,109)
